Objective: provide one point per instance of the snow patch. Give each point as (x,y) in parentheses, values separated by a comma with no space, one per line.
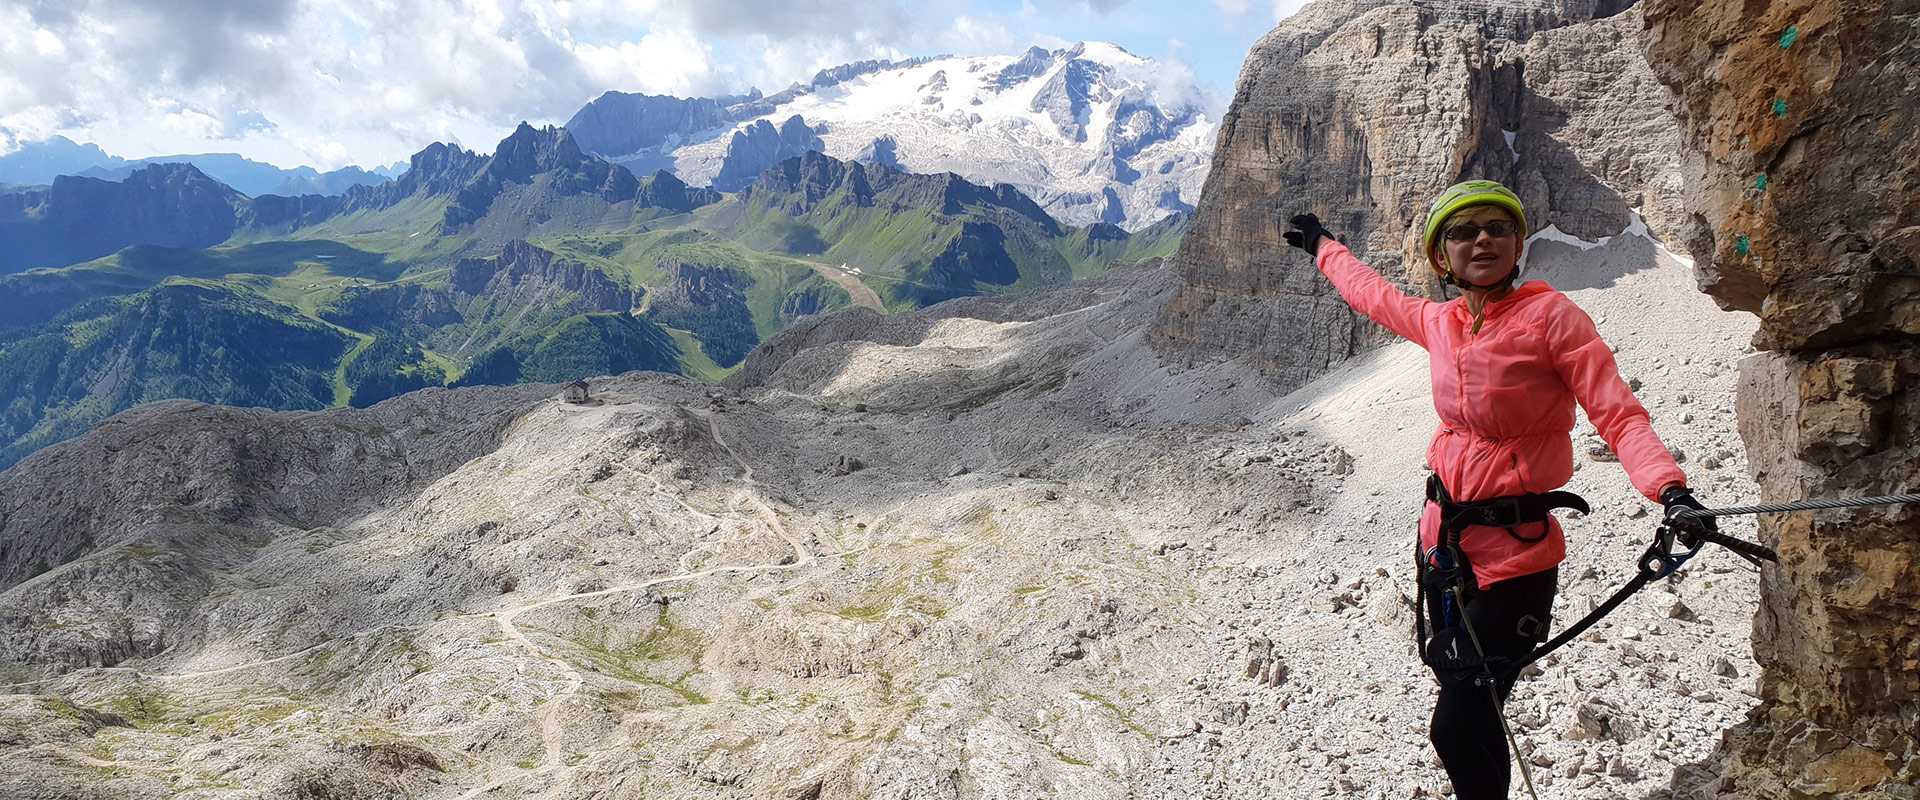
(991,134)
(1552,233)
(1636,226)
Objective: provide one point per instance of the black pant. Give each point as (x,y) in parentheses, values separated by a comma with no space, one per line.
(1510,618)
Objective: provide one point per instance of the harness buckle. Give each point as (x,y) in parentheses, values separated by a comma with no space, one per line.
(1502,512)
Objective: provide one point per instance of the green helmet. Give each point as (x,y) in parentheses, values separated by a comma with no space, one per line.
(1461,195)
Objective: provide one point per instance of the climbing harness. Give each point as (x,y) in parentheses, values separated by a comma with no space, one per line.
(1661,559)
(1499,512)
(1445,570)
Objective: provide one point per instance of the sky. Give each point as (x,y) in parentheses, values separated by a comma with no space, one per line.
(331,83)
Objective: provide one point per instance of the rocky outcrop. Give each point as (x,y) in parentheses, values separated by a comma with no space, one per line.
(521,264)
(801,183)
(758,146)
(709,301)
(136,513)
(884,150)
(522,274)
(618,123)
(663,190)
(438,169)
(1362,111)
(1805,214)
(549,152)
(810,301)
(79,219)
(1031,64)
(1592,135)
(1068,96)
(846,72)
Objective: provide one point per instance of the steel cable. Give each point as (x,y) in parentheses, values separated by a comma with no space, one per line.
(1801,505)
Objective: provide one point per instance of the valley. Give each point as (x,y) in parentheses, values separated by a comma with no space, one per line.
(489,284)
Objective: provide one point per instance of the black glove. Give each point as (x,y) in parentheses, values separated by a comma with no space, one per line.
(1677,497)
(1308,236)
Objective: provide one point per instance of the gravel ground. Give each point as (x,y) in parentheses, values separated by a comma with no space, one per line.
(994,549)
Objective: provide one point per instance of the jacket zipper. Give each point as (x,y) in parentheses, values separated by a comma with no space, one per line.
(1460,380)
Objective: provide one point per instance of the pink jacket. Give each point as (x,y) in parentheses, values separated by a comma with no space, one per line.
(1505,397)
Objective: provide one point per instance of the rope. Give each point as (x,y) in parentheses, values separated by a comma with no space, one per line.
(1493,691)
(1802,505)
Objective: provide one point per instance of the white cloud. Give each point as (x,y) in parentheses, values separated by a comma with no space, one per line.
(970,34)
(150,76)
(1096,6)
(372,81)
(1233,8)
(801,20)
(1282,9)
(668,62)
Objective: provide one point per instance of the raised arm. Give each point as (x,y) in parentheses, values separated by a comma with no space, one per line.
(1586,364)
(1358,284)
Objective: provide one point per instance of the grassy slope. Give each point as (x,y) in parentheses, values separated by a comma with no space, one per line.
(634,258)
(303,271)
(196,338)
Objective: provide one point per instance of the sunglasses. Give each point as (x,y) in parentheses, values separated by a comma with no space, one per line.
(1468,231)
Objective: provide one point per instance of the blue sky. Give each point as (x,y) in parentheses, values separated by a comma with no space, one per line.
(328,83)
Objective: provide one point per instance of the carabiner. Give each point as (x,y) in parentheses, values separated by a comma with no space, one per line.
(1660,561)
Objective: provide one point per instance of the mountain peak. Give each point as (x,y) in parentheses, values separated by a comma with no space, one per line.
(175,173)
(1103,52)
(844,72)
(529,152)
(1091,131)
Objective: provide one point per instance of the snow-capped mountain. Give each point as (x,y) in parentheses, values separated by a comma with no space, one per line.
(1092,132)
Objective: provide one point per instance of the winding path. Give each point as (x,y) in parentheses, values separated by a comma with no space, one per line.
(550,725)
(549,722)
(862,294)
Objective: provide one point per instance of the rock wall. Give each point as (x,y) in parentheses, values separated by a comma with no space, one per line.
(522,264)
(1363,111)
(1803,199)
(78,219)
(759,146)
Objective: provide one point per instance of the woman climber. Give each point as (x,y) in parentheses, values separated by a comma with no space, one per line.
(1508,363)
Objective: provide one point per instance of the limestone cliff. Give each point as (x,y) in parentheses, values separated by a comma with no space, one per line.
(1805,214)
(1362,111)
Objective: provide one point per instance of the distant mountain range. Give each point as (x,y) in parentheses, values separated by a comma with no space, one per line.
(540,262)
(42,162)
(650,233)
(1091,132)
